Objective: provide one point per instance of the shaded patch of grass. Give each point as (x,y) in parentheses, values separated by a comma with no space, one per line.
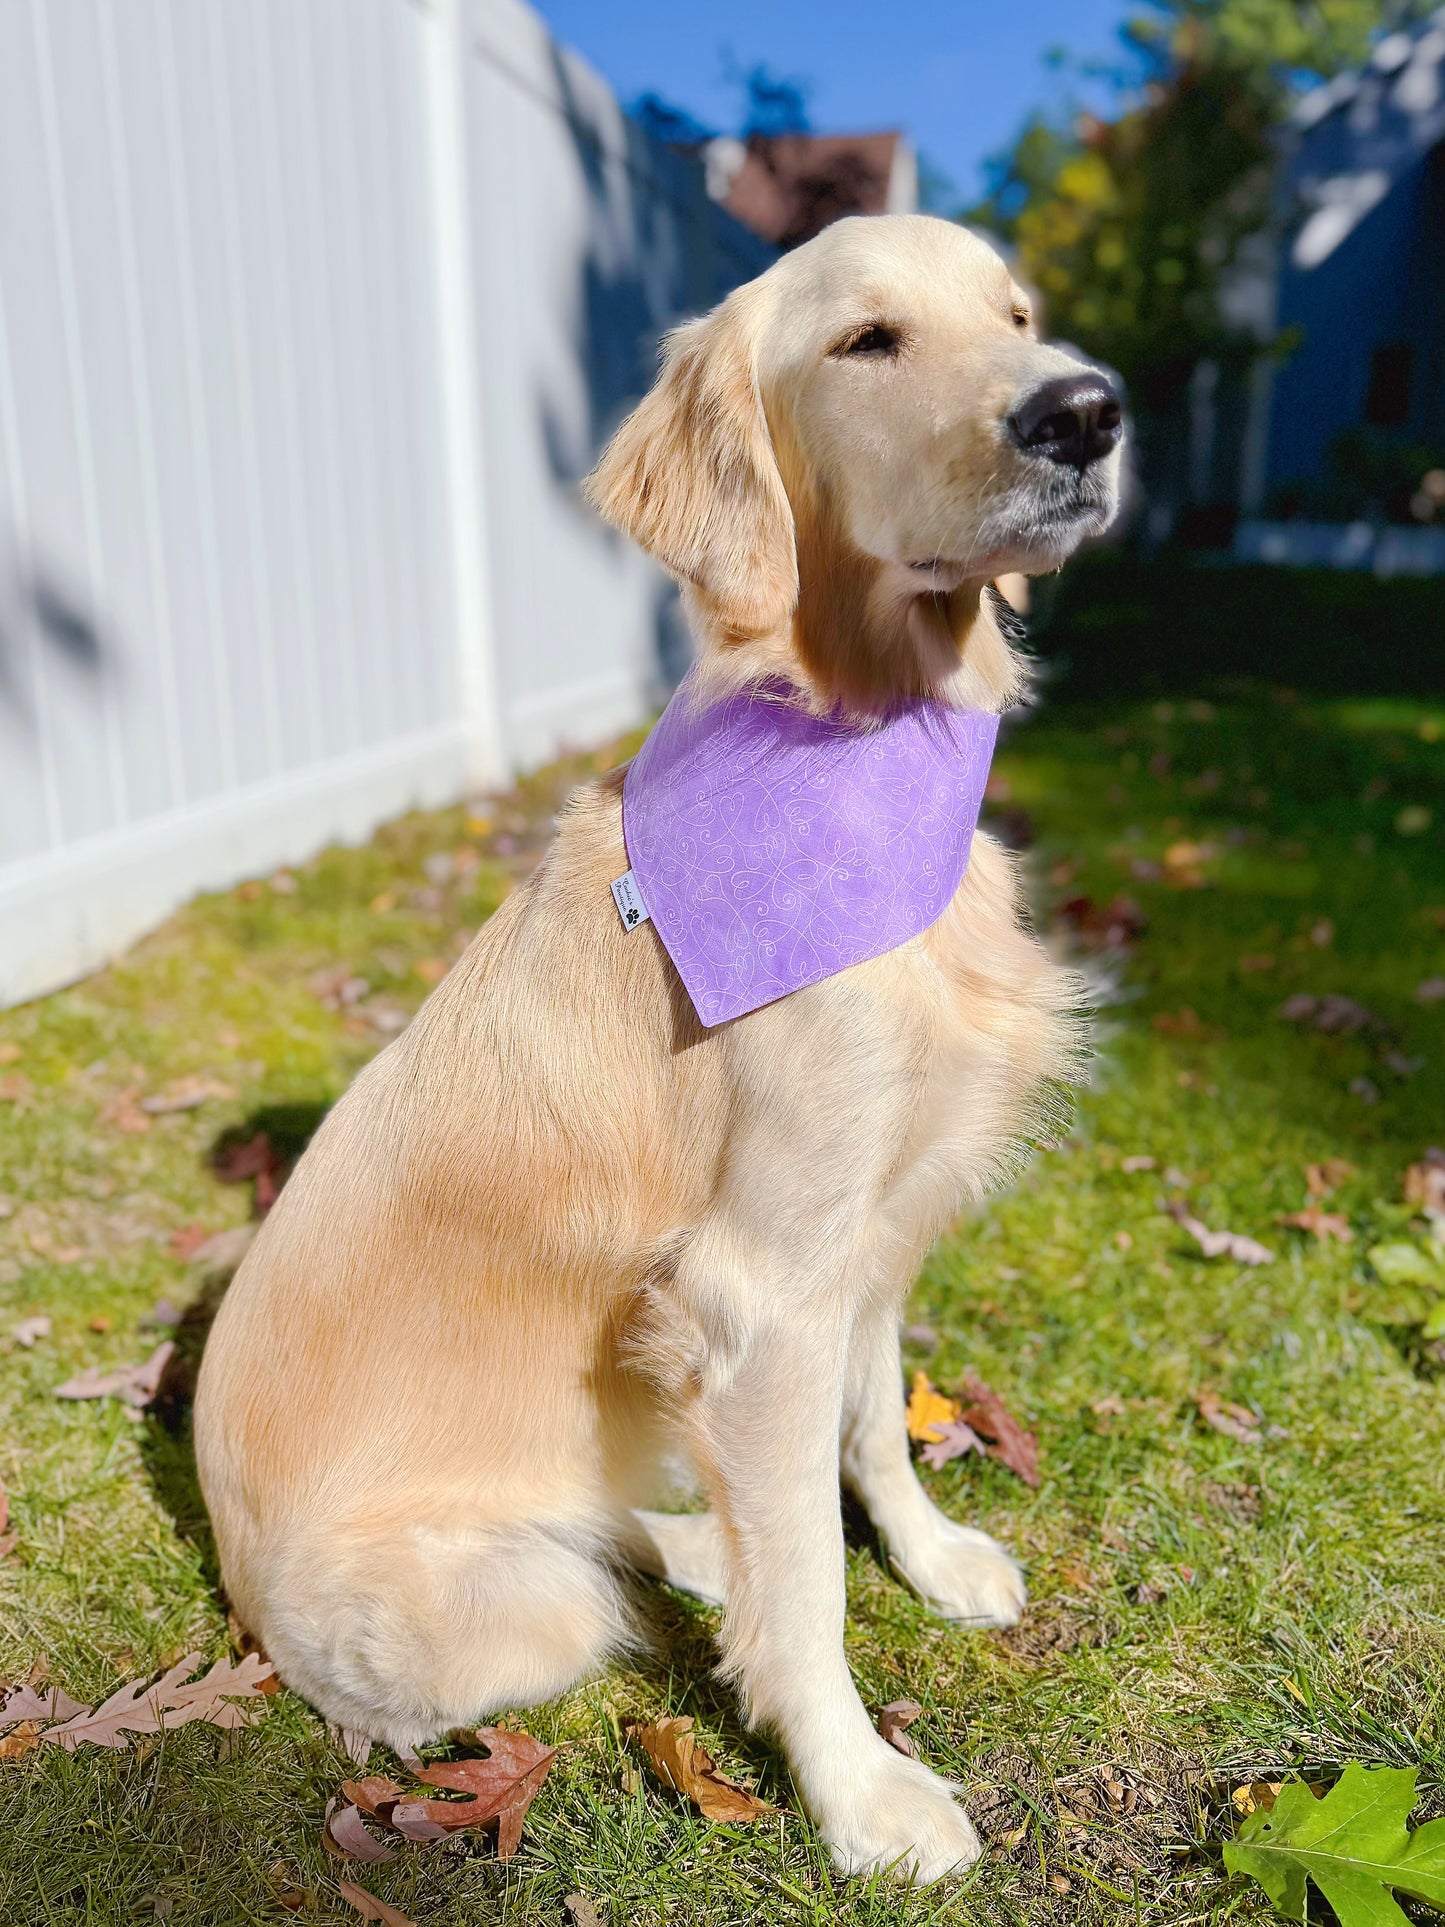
(1203,1611)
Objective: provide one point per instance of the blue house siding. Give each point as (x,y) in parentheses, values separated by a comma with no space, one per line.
(1381,288)
(1361,269)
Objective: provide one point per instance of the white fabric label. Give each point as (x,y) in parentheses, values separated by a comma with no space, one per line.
(628,898)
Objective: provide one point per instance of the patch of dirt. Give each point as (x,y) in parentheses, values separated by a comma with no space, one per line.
(1050,1628)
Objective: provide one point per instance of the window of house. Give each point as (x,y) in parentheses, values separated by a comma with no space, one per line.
(1387,404)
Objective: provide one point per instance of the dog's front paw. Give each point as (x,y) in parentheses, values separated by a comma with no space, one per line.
(961,1573)
(895,1814)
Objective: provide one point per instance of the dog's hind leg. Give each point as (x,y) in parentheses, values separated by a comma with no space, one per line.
(957,1570)
(683,1548)
(403,1633)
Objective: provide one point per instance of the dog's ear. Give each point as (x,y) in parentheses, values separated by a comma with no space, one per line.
(691,476)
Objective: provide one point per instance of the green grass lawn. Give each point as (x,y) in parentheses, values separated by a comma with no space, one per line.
(1205,1611)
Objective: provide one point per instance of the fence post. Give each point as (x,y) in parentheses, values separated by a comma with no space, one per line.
(469,530)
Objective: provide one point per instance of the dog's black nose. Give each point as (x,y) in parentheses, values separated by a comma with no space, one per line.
(1074,420)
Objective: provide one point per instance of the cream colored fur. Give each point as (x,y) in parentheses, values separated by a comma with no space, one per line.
(557,1233)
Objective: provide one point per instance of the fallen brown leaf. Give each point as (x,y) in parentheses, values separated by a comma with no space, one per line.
(1186,1023)
(1324,1224)
(894,1719)
(1219,1244)
(580,1911)
(22,1741)
(125,1113)
(37,1702)
(1108,1407)
(225,1249)
(685,1765)
(344,1834)
(1326,1177)
(30,1329)
(173,1700)
(1141,1162)
(10,1053)
(370,1908)
(17,1089)
(1234,1421)
(502,1786)
(1009,1443)
(137,1385)
(187,1240)
(185,1094)
(253,1157)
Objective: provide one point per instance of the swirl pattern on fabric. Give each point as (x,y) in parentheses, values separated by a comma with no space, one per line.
(775,848)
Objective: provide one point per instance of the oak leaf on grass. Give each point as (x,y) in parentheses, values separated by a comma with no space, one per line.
(136,1385)
(683,1763)
(501,1787)
(1008,1441)
(172,1700)
(370,1908)
(1354,1844)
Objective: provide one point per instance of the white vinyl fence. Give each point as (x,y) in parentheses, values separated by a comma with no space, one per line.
(313,313)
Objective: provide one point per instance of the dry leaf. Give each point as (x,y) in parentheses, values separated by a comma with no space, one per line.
(581,1912)
(1140,1162)
(1219,1244)
(22,1741)
(370,1908)
(187,1240)
(9,1053)
(1009,1443)
(253,1157)
(171,1701)
(1108,1407)
(225,1249)
(345,1835)
(37,1702)
(686,1766)
(894,1719)
(30,1329)
(124,1113)
(1256,1793)
(1324,1224)
(928,1410)
(137,1385)
(502,1786)
(185,1094)
(1234,1421)
(1326,1177)
(431,970)
(1186,1023)
(951,1441)
(17,1089)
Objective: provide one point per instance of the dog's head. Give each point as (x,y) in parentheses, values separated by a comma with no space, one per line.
(837,459)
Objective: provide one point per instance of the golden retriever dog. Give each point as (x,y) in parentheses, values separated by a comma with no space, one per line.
(558,1235)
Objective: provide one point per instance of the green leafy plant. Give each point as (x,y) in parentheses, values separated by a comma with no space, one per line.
(1354,1845)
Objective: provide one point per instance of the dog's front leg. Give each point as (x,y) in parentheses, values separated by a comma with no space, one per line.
(957,1570)
(764,1413)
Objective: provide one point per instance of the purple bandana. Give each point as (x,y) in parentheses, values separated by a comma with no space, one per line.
(772,848)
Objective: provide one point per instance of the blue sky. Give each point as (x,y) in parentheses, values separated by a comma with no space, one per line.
(959,76)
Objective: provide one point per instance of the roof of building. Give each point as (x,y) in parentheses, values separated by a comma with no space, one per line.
(1360,133)
(788,187)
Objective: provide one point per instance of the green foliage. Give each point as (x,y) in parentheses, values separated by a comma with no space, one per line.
(1354,1845)
(1127,226)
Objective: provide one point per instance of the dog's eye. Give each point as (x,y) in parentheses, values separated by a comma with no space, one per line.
(876,339)
(1021,317)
